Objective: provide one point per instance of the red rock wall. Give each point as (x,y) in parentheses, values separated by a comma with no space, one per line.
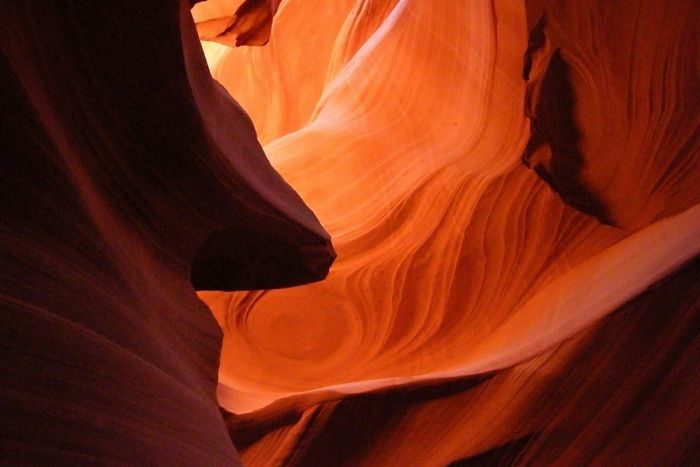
(127,176)
(510,186)
(470,315)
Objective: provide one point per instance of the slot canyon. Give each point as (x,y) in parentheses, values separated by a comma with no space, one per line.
(350,232)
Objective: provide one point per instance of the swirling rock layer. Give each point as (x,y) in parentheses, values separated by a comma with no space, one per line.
(595,397)
(478,312)
(473,299)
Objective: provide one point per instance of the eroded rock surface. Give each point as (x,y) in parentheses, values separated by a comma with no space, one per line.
(478,311)
(126,173)
(405,133)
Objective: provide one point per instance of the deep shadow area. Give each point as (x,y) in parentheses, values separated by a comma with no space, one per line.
(553,128)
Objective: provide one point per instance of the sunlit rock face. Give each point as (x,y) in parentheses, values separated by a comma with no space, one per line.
(128,177)
(498,179)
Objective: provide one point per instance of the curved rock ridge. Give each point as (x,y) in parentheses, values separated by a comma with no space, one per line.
(622,392)
(128,176)
(403,124)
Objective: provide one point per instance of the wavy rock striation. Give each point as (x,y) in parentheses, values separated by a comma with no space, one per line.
(478,312)
(473,301)
(612,96)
